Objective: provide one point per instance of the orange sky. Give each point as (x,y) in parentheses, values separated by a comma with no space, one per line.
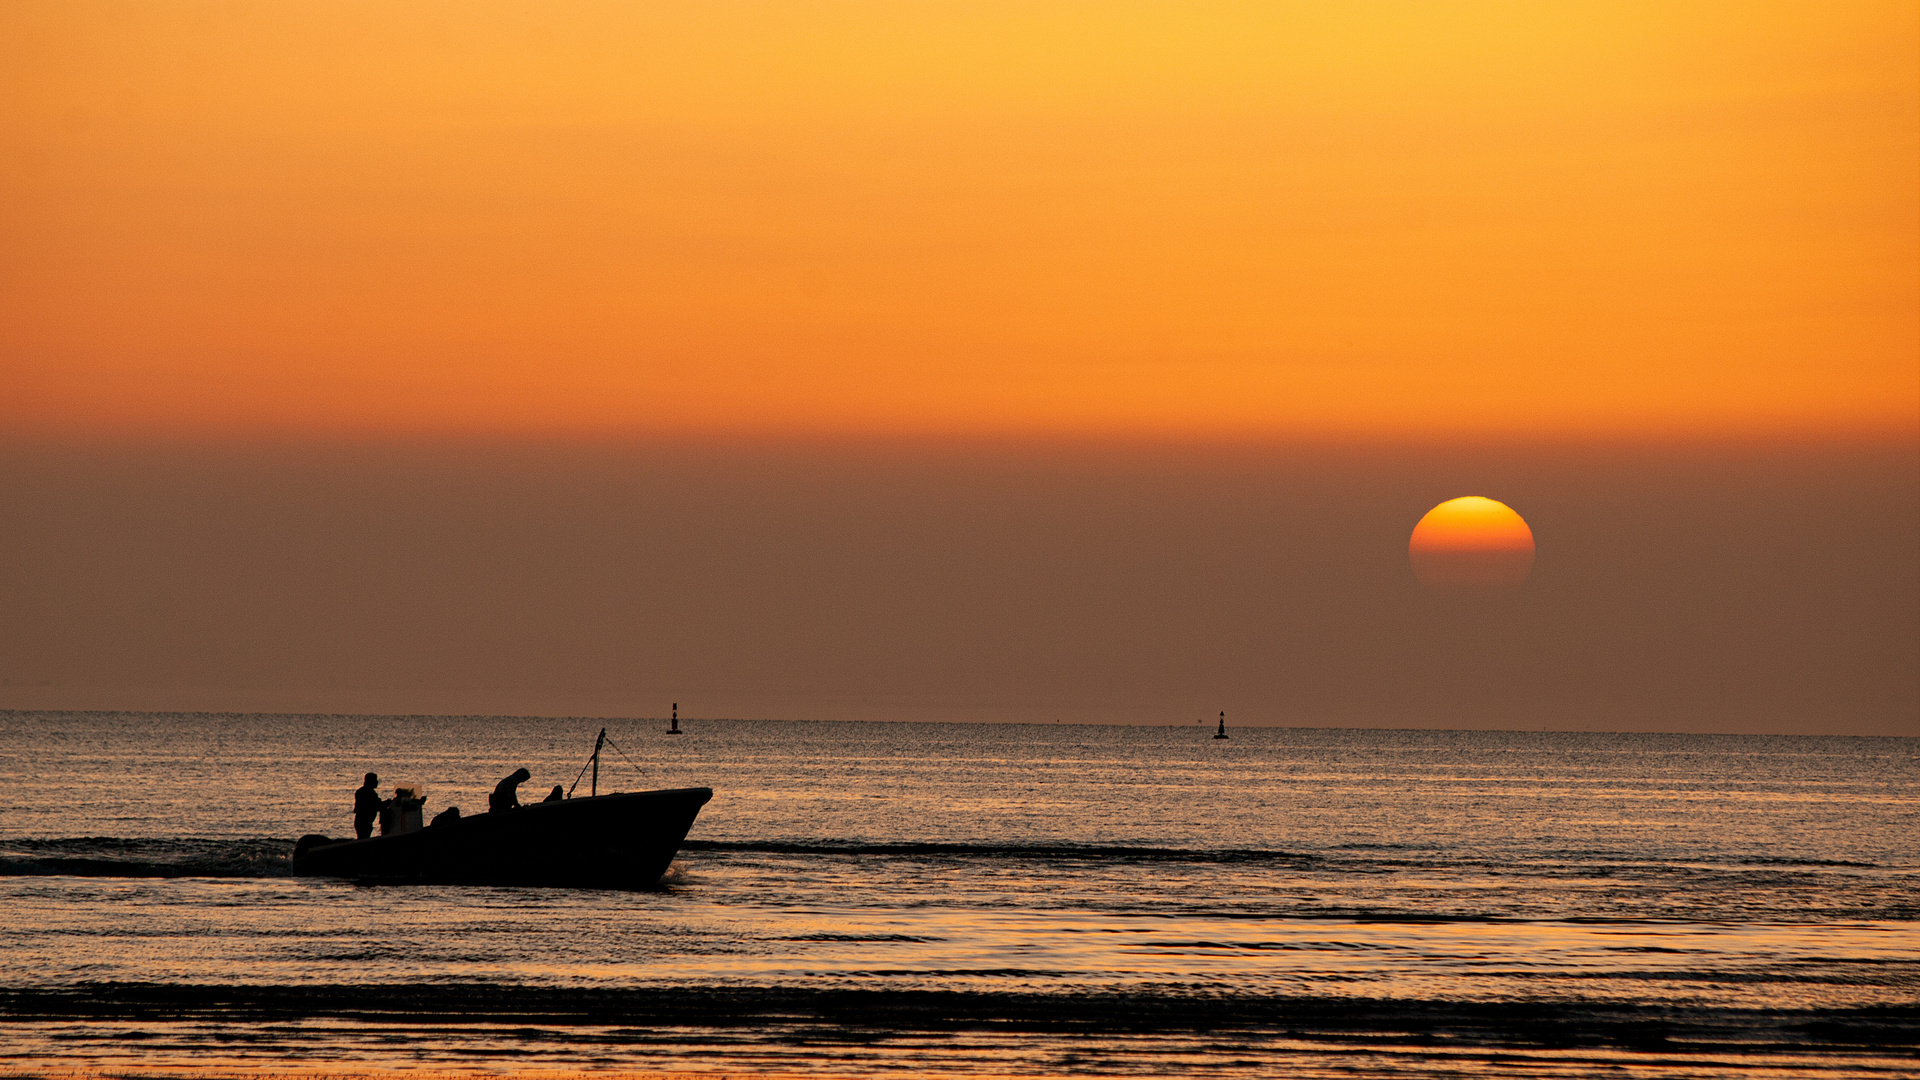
(1400,220)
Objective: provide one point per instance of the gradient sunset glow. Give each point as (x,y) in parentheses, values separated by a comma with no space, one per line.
(1393,220)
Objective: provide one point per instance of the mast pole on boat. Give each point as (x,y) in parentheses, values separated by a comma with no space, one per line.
(596,760)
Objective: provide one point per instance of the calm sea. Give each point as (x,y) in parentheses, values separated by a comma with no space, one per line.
(979,899)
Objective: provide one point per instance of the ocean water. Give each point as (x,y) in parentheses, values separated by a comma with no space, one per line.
(978,900)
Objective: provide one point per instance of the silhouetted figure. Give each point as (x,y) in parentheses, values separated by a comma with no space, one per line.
(556,794)
(506,794)
(402,813)
(366,806)
(450,814)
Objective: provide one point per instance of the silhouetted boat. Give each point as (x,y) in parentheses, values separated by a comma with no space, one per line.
(600,841)
(622,841)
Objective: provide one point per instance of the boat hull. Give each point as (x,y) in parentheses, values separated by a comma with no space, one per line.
(621,841)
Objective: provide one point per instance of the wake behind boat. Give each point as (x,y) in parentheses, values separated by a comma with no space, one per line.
(622,840)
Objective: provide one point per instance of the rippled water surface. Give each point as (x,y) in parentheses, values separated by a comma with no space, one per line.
(1285,898)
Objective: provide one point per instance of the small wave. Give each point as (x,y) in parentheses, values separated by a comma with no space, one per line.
(1085,852)
(1346,858)
(802,1015)
(860,937)
(1769,861)
(100,856)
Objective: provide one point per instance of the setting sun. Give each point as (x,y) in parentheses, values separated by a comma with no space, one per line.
(1471,541)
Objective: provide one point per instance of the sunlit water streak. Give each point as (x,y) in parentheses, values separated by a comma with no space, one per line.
(1055,866)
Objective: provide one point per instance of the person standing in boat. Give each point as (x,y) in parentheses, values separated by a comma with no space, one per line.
(366,806)
(506,794)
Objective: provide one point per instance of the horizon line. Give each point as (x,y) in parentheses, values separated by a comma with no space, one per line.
(1204,725)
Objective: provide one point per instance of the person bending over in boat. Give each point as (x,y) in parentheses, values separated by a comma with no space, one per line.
(506,794)
(366,806)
